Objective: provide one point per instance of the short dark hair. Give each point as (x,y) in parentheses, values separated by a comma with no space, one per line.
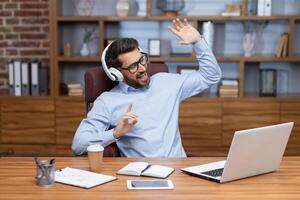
(119,46)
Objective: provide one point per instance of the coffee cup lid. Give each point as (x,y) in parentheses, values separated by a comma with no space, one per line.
(95,147)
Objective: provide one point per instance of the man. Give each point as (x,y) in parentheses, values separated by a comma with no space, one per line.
(143,110)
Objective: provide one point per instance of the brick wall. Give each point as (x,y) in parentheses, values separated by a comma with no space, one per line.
(24,33)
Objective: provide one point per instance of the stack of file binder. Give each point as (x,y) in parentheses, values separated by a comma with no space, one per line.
(25,78)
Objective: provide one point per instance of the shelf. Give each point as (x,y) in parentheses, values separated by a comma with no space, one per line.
(278,96)
(127,18)
(26,97)
(257,59)
(223,18)
(189,59)
(271,59)
(297,17)
(79,59)
(172,59)
(71,98)
(250,96)
(166,18)
(77,18)
(210,97)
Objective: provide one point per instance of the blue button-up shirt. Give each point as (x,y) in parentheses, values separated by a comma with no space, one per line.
(156,134)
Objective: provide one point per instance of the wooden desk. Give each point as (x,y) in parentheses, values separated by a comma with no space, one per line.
(17,182)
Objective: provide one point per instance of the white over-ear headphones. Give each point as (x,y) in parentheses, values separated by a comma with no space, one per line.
(113,73)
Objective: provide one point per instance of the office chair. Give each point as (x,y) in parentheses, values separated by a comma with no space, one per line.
(96,82)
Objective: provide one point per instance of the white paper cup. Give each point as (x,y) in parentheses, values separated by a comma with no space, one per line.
(95,155)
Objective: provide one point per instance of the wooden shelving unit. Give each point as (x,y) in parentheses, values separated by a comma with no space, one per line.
(166,18)
(78,59)
(103,21)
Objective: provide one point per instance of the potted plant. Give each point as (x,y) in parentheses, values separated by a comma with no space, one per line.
(87,38)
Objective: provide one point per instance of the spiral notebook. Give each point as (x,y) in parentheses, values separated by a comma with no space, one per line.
(145,169)
(81,178)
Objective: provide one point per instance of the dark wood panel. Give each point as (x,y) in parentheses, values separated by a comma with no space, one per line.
(290,107)
(21,105)
(247,114)
(24,120)
(206,125)
(65,129)
(28,128)
(250,107)
(70,108)
(206,151)
(0,124)
(29,136)
(35,150)
(290,112)
(293,147)
(200,124)
(68,117)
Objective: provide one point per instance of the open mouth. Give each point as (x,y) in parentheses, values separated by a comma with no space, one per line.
(142,76)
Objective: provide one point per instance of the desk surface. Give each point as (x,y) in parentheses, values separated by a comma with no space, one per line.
(17,181)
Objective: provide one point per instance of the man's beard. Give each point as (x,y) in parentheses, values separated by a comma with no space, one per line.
(142,79)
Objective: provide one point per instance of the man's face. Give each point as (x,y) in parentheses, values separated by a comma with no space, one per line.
(132,61)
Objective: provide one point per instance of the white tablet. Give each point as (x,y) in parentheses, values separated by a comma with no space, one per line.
(149,184)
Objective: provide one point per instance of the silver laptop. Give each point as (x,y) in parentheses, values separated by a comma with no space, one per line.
(252,152)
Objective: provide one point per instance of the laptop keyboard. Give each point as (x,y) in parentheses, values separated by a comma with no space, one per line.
(214,173)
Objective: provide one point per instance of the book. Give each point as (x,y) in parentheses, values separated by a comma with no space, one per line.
(17,78)
(251,7)
(35,65)
(264,7)
(229,95)
(230,82)
(285,45)
(260,7)
(230,14)
(282,49)
(75,89)
(267,7)
(44,80)
(280,46)
(74,85)
(25,90)
(145,169)
(11,78)
(81,178)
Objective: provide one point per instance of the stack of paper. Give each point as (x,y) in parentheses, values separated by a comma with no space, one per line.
(81,178)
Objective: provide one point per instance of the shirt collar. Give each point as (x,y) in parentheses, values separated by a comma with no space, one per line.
(126,88)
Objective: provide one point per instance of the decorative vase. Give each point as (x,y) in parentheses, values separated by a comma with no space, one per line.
(170,7)
(248,44)
(259,40)
(84,50)
(84,7)
(67,49)
(122,8)
(259,44)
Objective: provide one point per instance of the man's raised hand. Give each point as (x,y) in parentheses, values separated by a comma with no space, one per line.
(186,32)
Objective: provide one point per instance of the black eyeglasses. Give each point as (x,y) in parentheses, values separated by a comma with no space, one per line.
(135,66)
